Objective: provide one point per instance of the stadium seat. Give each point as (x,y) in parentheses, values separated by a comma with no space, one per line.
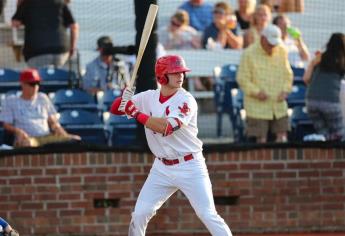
(226,73)
(9,80)
(225,81)
(2,133)
(87,125)
(108,97)
(298,73)
(301,125)
(122,130)
(74,99)
(297,96)
(54,79)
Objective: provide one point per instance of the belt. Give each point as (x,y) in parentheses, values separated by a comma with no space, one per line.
(170,162)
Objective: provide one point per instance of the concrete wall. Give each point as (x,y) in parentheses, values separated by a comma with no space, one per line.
(269,190)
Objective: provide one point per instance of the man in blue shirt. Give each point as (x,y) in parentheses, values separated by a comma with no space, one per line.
(6,229)
(98,74)
(200,13)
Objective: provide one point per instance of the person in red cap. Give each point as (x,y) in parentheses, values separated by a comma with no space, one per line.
(169,115)
(31,117)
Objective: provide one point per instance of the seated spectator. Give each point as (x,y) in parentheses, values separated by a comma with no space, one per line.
(323,77)
(224,30)
(261,18)
(265,76)
(245,12)
(31,118)
(179,35)
(200,13)
(101,73)
(6,229)
(292,40)
(46,39)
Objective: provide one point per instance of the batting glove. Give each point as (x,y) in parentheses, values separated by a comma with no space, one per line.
(126,96)
(131,110)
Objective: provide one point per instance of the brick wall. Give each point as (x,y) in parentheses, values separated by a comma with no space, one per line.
(268,190)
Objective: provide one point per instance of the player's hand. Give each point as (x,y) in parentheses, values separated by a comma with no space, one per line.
(131,110)
(127,95)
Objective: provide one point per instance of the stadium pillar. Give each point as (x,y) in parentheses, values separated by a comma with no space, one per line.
(146,73)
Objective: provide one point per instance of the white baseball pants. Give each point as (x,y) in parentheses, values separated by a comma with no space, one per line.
(192,179)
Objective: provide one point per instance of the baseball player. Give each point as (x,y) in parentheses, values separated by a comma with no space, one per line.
(169,115)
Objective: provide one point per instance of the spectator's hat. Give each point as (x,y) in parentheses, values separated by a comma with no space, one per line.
(273,34)
(104,42)
(30,76)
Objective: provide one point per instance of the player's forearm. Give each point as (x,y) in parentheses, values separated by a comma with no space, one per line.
(158,125)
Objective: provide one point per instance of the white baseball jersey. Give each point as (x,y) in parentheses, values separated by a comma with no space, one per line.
(182,106)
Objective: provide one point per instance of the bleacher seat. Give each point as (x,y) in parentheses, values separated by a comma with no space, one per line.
(301,125)
(9,80)
(54,79)
(108,97)
(123,130)
(297,96)
(87,125)
(2,133)
(298,73)
(226,73)
(74,99)
(225,81)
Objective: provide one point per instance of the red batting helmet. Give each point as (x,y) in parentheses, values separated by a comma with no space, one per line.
(168,65)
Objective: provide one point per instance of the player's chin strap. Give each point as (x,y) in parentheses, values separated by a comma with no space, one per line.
(173,124)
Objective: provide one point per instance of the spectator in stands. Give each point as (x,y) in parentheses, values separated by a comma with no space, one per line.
(245,13)
(261,18)
(46,40)
(200,13)
(31,118)
(101,71)
(224,30)
(6,229)
(179,35)
(292,40)
(323,77)
(265,76)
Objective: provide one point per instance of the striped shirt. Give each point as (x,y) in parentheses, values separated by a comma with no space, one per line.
(28,115)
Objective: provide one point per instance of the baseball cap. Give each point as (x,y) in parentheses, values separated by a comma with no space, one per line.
(104,42)
(273,34)
(30,76)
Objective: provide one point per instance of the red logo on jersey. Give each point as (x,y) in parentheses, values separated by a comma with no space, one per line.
(184,109)
(167,111)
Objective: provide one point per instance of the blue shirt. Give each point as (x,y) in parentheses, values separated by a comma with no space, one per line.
(199,16)
(96,75)
(3,225)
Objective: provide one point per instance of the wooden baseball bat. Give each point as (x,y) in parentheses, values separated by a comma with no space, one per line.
(150,19)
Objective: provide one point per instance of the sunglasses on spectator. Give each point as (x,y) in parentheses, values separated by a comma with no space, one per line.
(174,23)
(219,11)
(33,84)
